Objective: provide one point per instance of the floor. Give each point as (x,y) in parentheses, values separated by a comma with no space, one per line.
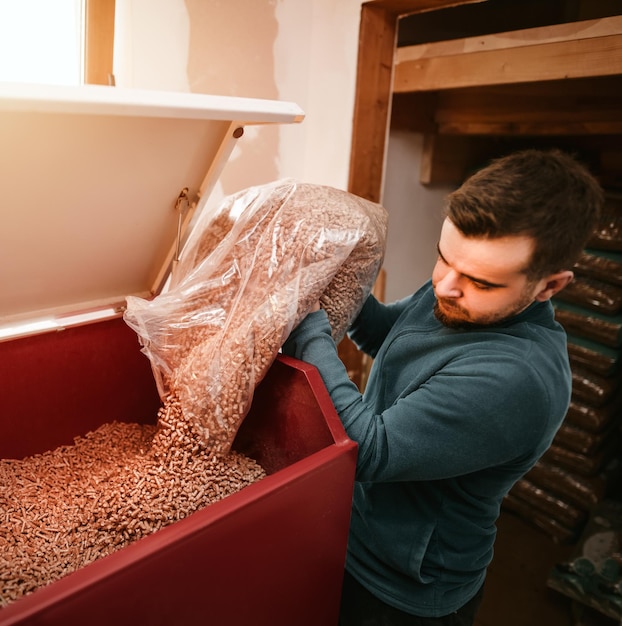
(516,593)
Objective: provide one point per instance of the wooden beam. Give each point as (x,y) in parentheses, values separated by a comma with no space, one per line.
(521,128)
(448,159)
(406,7)
(415,111)
(99,42)
(588,29)
(377,38)
(568,107)
(530,62)
(372,105)
(431,170)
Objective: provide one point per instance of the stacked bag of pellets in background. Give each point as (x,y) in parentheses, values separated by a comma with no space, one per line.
(584,466)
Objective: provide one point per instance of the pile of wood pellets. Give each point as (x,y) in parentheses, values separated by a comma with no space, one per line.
(247,277)
(65,508)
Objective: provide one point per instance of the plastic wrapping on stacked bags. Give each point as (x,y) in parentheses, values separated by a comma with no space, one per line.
(583,465)
(593,573)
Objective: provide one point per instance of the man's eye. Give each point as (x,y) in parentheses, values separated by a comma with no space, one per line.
(482,286)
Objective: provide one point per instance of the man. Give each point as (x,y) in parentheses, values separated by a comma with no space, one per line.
(469,384)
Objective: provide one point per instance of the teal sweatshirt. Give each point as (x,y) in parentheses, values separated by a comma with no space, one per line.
(449,421)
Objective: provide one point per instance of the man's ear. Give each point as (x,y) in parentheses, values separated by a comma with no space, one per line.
(553,284)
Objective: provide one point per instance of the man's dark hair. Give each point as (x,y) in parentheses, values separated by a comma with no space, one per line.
(547,195)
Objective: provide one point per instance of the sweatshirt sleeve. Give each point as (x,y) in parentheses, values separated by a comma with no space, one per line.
(311,341)
(461,420)
(373,324)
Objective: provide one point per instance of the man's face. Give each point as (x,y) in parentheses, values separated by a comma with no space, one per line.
(480,281)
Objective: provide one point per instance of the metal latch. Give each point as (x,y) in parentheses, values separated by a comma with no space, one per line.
(182,204)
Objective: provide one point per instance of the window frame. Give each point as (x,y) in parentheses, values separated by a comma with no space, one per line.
(99,17)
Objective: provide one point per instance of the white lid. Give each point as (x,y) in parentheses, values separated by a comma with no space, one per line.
(89,178)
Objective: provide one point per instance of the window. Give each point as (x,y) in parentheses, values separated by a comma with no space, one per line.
(41,41)
(64,42)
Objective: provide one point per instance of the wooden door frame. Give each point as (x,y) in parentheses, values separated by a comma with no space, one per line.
(372,110)
(372,103)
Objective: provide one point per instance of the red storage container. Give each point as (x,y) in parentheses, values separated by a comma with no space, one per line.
(89,179)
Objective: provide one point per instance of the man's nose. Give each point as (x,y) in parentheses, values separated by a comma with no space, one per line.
(449,285)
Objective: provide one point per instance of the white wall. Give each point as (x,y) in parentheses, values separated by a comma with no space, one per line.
(299,50)
(415,217)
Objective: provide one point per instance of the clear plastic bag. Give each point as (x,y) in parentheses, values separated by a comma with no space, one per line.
(250,271)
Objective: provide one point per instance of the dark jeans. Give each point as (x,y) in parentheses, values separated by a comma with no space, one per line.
(361,608)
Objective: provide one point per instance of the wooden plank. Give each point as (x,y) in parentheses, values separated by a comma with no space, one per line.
(415,111)
(601,56)
(552,107)
(577,107)
(405,7)
(448,159)
(587,29)
(430,170)
(532,128)
(99,42)
(568,95)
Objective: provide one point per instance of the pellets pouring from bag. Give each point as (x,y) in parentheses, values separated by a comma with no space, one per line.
(250,271)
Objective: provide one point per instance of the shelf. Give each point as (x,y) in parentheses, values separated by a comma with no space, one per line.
(574,50)
(477,97)
(585,106)
(472,96)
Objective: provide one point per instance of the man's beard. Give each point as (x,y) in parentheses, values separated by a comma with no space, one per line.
(454,322)
(462,321)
